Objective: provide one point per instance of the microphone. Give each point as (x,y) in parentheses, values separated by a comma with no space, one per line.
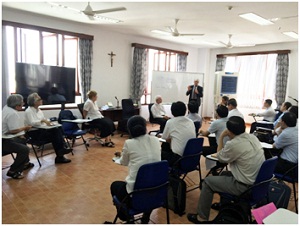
(117,101)
(293,98)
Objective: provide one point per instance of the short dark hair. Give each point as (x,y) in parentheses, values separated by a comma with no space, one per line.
(226,98)
(232,102)
(287,105)
(269,101)
(136,126)
(294,109)
(178,109)
(289,119)
(193,107)
(236,125)
(222,111)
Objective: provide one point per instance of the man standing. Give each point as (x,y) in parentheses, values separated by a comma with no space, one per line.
(159,113)
(244,154)
(195,92)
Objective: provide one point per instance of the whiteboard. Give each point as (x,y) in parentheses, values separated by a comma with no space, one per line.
(172,86)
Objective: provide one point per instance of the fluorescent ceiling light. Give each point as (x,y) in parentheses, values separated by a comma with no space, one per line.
(291,34)
(256,19)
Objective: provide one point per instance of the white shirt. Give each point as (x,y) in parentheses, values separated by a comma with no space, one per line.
(92,110)
(158,110)
(235,112)
(137,152)
(268,114)
(33,116)
(180,129)
(11,120)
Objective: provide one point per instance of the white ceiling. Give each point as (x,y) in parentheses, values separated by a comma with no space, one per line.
(214,19)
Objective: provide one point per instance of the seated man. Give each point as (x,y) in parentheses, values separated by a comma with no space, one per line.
(283,109)
(232,107)
(217,127)
(288,141)
(13,125)
(268,115)
(244,154)
(159,113)
(35,117)
(193,113)
(177,132)
(224,101)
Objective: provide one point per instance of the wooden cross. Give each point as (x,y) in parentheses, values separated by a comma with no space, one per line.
(111,54)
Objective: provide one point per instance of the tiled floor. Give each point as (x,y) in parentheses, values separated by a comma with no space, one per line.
(78,192)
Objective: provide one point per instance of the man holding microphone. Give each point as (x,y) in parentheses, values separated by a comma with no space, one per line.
(195,92)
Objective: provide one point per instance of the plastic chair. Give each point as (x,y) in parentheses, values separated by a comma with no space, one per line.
(152,121)
(190,161)
(291,176)
(256,193)
(150,191)
(127,112)
(71,130)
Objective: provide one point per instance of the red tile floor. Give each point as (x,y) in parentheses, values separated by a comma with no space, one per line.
(78,192)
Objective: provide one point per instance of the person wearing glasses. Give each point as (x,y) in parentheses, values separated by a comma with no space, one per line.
(13,139)
(35,118)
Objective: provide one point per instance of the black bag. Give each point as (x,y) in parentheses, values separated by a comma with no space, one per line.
(177,195)
(279,193)
(232,213)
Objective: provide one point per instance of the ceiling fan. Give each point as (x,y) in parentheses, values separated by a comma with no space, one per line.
(174,31)
(93,14)
(229,45)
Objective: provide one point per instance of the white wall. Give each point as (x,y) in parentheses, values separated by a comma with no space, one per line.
(115,81)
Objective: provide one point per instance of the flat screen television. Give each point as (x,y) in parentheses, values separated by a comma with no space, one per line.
(229,84)
(55,85)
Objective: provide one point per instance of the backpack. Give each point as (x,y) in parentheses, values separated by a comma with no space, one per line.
(232,213)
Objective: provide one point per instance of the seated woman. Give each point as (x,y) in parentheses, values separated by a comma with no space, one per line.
(105,125)
(139,150)
(13,125)
(35,117)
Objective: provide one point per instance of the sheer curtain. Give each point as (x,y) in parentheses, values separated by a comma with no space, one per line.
(139,73)
(281,78)
(181,62)
(85,61)
(257,79)
(5,78)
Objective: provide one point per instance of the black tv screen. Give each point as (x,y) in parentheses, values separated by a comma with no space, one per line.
(54,84)
(229,84)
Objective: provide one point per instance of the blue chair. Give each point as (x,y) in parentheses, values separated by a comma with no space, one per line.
(190,161)
(150,191)
(71,130)
(291,176)
(197,127)
(258,192)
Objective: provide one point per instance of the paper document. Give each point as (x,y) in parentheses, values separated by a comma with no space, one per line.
(116,160)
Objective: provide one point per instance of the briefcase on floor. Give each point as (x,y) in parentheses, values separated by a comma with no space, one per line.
(279,194)
(177,195)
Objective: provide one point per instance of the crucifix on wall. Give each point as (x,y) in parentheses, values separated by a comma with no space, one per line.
(111,54)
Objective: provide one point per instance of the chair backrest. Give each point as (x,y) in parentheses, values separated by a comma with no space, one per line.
(127,108)
(80,108)
(191,154)
(151,186)
(262,181)
(67,126)
(151,119)
(197,127)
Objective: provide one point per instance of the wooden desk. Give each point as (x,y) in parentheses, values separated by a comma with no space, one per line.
(115,114)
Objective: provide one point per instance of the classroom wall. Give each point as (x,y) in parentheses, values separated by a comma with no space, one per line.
(115,81)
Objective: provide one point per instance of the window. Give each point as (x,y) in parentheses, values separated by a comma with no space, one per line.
(256,80)
(39,47)
(158,60)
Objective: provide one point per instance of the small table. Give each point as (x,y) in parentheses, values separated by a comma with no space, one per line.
(281,216)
